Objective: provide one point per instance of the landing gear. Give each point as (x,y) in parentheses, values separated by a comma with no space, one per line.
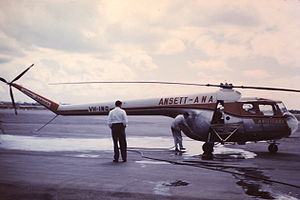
(273,148)
(207,148)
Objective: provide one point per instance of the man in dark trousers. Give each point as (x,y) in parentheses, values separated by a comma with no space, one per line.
(117,121)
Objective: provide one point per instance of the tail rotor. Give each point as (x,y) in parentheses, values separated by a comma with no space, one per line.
(3,80)
(12,99)
(11,84)
(20,75)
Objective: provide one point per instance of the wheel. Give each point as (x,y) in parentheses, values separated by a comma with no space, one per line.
(208,148)
(273,148)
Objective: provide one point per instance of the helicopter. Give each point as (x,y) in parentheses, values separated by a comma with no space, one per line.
(223,116)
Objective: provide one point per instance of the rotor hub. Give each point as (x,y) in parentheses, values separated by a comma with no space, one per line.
(226,85)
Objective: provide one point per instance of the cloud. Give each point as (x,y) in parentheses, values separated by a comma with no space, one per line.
(10,47)
(280,45)
(171,46)
(221,50)
(256,74)
(140,60)
(244,42)
(4,60)
(237,16)
(135,57)
(49,25)
(210,65)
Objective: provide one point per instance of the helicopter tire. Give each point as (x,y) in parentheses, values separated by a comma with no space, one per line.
(208,148)
(273,148)
(207,156)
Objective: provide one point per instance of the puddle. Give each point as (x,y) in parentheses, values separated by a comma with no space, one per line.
(254,189)
(54,144)
(220,151)
(152,162)
(51,144)
(229,156)
(84,155)
(161,189)
(176,183)
(258,188)
(285,197)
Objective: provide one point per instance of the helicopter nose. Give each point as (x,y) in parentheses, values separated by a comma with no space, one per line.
(292,122)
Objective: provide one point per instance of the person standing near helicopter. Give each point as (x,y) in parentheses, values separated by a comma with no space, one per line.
(117,121)
(180,120)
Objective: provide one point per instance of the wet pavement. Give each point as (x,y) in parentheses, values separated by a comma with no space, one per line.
(71,158)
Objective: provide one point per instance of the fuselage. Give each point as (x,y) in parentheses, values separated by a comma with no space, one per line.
(213,116)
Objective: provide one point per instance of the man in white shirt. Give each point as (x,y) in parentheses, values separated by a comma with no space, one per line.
(180,120)
(117,121)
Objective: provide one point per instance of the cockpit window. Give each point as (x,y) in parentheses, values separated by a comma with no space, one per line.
(282,107)
(248,107)
(266,109)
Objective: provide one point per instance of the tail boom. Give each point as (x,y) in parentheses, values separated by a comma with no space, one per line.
(51,105)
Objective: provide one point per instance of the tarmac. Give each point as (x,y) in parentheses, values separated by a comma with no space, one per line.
(71,158)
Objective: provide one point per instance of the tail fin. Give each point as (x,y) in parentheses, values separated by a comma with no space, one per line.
(40,99)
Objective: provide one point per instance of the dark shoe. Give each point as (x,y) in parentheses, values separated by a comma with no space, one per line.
(182,148)
(124,160)
(115,161)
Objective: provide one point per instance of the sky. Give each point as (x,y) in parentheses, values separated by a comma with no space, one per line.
(254,43)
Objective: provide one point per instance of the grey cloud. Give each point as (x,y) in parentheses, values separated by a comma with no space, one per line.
(138,36)
(10,49)
(52,64)
(236,17)
(5,60)
(52,25)
(222,14)
(268,64)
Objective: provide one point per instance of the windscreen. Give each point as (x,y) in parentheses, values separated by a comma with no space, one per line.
(282,107)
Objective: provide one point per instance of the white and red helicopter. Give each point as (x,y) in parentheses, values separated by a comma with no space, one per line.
(217,117)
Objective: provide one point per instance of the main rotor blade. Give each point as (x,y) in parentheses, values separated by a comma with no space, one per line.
(135,82)
(267,88)
(226,85)
(3,80)
(20,75)
(12,99)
